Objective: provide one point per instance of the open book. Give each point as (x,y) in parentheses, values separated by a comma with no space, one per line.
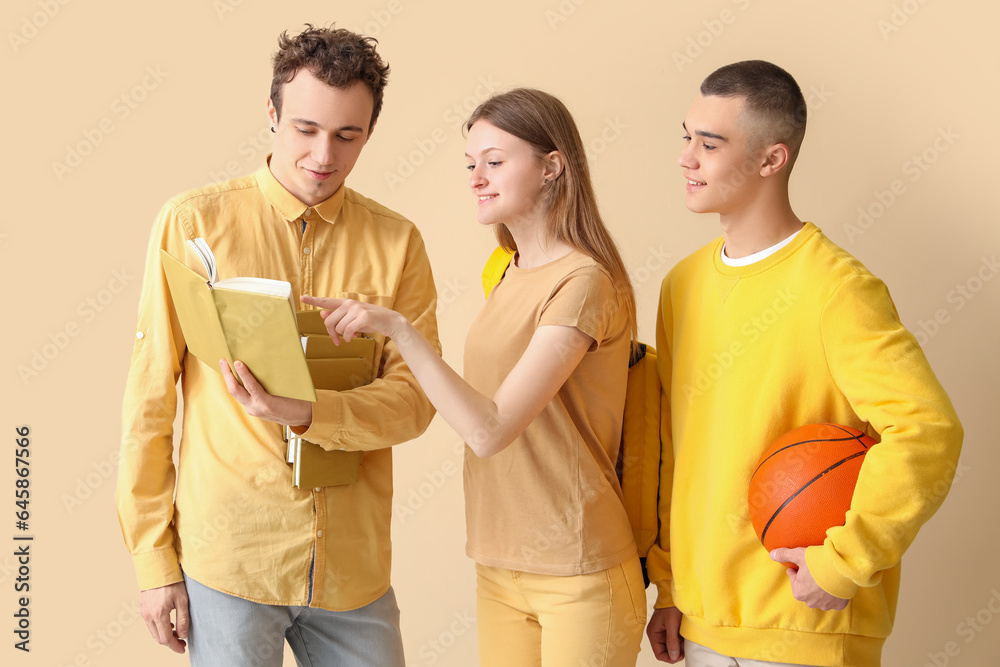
(249,319)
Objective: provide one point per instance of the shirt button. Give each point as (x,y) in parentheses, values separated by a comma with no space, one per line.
(319,533)
(305,250)
(307,212)
(139,335)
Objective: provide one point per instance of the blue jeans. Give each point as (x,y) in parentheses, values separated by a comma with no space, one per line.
(230,631)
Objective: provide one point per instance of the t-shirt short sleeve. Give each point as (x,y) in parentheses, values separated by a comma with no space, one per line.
(584,299)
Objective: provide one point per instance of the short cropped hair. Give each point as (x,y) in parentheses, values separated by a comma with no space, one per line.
(337,57)
(774,108)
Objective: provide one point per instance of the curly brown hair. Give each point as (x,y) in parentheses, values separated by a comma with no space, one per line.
(335,56)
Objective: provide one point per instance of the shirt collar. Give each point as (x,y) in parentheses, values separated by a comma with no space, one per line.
(288,204)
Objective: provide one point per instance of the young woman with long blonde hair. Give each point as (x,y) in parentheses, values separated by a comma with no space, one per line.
(541,404)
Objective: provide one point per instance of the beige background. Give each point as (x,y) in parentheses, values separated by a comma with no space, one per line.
(890,83)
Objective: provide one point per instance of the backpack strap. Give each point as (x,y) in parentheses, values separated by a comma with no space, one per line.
(496,267)
(638,464)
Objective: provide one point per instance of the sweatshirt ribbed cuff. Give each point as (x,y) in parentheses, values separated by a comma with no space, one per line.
(820,563)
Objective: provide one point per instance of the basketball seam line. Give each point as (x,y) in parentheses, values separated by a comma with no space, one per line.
(803,488)
(806,442)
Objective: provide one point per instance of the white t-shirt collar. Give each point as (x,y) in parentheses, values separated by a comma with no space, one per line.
(757,256)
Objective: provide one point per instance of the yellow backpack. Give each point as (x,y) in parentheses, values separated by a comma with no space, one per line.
(638,465)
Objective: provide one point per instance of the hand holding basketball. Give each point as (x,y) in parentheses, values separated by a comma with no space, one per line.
(804,587)
(803,484)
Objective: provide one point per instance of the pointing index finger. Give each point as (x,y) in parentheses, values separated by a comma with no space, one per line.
(325,303)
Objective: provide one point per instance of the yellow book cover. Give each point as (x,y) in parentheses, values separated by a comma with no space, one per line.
(338,368)
(323,347)
(249,319)
(313,466)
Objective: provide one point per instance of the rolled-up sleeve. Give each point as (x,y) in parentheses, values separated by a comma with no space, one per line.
(146,473)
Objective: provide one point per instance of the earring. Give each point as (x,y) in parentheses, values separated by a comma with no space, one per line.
(272,128)
(546,181)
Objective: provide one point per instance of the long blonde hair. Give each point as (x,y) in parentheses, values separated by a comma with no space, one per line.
(570,205)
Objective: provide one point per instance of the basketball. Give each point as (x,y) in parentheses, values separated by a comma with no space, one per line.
(803,484)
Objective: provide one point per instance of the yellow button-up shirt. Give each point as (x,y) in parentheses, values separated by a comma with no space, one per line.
(237,524)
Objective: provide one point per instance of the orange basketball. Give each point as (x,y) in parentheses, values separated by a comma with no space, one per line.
(804,482)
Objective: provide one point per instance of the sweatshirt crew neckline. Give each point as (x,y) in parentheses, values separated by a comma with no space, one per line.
(799,239)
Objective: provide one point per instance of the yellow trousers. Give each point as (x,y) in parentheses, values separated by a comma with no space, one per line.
(536,620)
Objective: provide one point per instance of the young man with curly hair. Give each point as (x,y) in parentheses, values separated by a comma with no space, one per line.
(242,558)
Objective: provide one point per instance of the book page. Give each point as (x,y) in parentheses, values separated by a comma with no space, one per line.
(256,286)
(204,253)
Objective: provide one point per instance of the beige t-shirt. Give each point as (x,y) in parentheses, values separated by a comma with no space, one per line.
(550,503)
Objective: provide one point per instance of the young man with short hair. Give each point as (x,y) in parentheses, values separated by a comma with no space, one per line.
(766,329)
(241,557)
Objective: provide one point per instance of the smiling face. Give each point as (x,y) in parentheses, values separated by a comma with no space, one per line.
(507,176)
(722,171)
(319,136)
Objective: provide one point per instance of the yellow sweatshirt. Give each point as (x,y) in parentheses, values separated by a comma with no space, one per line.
(746,354)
